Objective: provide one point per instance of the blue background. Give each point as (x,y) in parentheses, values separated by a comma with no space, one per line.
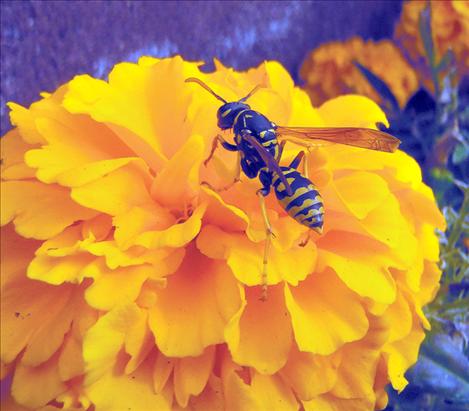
(46,43)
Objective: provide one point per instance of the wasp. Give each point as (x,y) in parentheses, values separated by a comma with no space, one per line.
(259,143)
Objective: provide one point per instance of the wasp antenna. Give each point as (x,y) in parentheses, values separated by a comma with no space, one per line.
(251,93)
(202,84)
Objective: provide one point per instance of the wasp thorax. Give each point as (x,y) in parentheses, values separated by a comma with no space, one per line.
(227,113)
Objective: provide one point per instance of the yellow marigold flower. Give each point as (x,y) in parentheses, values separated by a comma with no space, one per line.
(329,71)
(128,284)
(450,29)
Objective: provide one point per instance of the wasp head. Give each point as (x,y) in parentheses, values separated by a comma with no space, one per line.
(227,113)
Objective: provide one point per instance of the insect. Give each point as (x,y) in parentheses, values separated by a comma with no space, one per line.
(259,143)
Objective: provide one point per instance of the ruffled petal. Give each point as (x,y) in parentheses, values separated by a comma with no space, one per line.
(117,192)
(191,375)
(177,235)
(34,387)
(73,155)
(111,288)
(260,333)
(192,311)
(38,210)
(259,392)
(363,269)
(12,165)
(310,375)
(116,391)
(105,339)
(34,316)
(402,354)
(178,182)
(245,257)
(357,372)
(329,402)
(325,314)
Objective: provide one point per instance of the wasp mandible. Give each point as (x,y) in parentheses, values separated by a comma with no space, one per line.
(257,143)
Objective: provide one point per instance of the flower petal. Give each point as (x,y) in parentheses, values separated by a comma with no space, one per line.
(310,375)
(352,111)
(177,235)
(191,375)
(325,314)
(363,269)
(111,288)
(178,182)
(262,393)
(245,257)
(329,402)
(191,312)
(34,387)
(16,253)
(402,354)
(56,271)
(357,372)
(73,154)
(13,148)
(50,336)
(211,398)
(138,342)
(116,192)
(223,214)
(105,339)
(29,311)
(119,392)
(260,333)
(361,192)
(38,210)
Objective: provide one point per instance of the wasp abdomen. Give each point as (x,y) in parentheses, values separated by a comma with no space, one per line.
(304,204)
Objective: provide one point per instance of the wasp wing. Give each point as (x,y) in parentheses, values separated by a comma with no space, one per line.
(352,136)
(269,160)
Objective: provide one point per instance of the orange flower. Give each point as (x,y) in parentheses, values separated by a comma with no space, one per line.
(128,284)
(450,29)
(329,71)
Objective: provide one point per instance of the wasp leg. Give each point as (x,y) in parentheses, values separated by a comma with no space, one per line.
(297,159)
(219,139)
(229,147)
(268,241)
(306,166)
(306,240)
(280,151)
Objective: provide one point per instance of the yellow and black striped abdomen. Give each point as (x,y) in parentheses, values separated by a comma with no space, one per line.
(305,204)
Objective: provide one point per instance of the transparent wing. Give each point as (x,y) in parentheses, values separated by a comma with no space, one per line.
(269,160)
(352,136)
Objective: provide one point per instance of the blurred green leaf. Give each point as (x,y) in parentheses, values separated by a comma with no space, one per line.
(425,30)
(379,85)
(446,61)
(443,368)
